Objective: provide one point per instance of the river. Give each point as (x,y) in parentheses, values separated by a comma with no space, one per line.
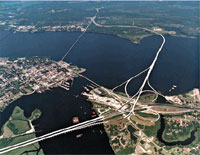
(185,142)
(109,60)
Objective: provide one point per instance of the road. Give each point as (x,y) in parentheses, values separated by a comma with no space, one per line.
(82,125)
(149,69)
(92,18)
(101,119)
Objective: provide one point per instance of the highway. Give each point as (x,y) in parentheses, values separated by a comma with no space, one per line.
(105,118)
(149,69)
(82,125)
(80,36)
(127,81)
(79,126)
(89,80)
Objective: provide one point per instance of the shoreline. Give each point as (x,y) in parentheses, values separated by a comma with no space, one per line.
(115,35)
(73,70)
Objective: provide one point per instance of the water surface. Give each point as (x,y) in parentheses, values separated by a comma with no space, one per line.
(109,60)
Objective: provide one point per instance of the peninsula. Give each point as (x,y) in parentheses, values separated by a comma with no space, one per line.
(24,76)
(154,128)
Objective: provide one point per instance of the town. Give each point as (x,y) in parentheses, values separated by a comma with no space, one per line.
(24,76)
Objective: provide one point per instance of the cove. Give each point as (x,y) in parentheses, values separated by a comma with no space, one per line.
(58,108)
(108,60)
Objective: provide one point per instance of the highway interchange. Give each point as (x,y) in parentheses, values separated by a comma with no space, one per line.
(119,111)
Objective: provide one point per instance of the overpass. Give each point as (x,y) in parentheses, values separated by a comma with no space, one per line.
(101,119)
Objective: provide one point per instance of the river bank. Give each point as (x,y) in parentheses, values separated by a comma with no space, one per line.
(109,60)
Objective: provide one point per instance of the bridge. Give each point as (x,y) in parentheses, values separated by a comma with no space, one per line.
(148,70)
(96,121)
(81,35)
(106,117)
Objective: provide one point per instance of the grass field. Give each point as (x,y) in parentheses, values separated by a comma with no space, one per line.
(152,130)
(19,124)
(139,120)
(146,115)
(148,97)
(127,150)
(18,114)
(11,141)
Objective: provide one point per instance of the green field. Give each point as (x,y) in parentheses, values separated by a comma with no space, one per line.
(152,130)
(146,114)
(11,141)
(127,150)
(19,124)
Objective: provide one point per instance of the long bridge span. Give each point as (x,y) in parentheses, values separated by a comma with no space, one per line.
(148,70)
(80,36)
(101,119)
(96,121)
